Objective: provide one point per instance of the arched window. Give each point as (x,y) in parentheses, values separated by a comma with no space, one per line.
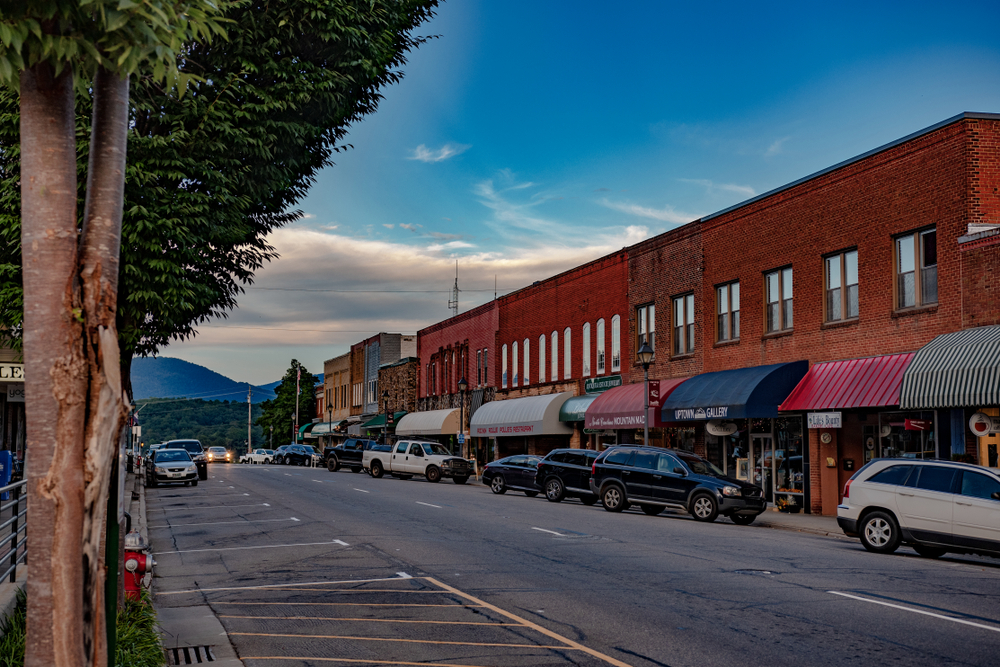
(541,358)
(527,362)
(513,366)
(554,375)
(616,344)
(567,355)
(503,367)
(586,349)
(600,347)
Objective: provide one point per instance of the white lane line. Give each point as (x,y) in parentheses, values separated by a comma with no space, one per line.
(429,505)
(316,480)
(549,531)
(288,474)
(362,491)
(401,575)
(209,507)
(263,546)
(213,495)
(219,523)
(918,611)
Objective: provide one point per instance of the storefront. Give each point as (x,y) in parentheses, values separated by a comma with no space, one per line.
(736,413)
(619,417)
(957,377)
(12,418)
(377,428)
(528,425)
(573,413)
(438,425)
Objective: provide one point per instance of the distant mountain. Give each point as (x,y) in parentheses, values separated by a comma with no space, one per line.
(165,377)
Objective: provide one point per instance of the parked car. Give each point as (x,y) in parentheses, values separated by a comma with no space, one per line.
(566,473)
(171,466)
(219,455)
(655,479)
(302,455)
(415,457)
(514,472)
(258,456)
(196,451)
(348,454)
(279,454)
(935,507)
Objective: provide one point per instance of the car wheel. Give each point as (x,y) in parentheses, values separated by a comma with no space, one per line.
(531,494)
(743,519)
(194,483)
(589,501)
(433,474)
(377,471)
(929,552)
(154,483)
(357,469)
(880,533)
(460,480)
(704,508)
(498,485)
(203,473)
(554,490)
(613,498)
(302,462)
(653,510)
(332,464)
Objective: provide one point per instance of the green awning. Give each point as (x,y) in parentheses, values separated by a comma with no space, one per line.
(379,420)
(305,428)
(575,409)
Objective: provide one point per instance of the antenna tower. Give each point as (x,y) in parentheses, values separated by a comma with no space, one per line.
(453,301)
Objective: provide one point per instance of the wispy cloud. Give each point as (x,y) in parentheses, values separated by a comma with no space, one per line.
(776,147)
(665,214)
(388,226)
(450,245)
(424,154)
(409,227)
(441,236)
(713,187)
(307,216)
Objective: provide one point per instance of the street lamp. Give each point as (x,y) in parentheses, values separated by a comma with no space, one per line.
(385,427)
(645,357)
(272,437)
(462,386)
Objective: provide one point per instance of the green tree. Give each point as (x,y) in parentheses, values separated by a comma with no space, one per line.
(279,412)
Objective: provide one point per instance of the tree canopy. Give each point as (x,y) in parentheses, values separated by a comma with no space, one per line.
(278,412)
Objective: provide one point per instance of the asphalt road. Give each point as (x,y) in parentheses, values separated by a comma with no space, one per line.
(308,567)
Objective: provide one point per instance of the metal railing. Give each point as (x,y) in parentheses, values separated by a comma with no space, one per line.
(16,550)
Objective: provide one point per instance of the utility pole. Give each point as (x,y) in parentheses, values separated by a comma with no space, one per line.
(249,413)
(295,429)
(453,301)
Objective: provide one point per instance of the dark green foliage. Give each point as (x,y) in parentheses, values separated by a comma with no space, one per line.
(12,633)
(211,173)
(214,423)
(279,411)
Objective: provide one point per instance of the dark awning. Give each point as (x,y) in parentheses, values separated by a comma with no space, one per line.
(956,370)
(622,407)
(575,409)
(737,394)
(379,420)
(853,383)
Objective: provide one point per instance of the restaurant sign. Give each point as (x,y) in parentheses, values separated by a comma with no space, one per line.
(514,429)
(597,385)
(824,420)
(11,372)
(981,424)
(15,393)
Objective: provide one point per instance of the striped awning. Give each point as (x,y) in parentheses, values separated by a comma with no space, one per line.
(956,370)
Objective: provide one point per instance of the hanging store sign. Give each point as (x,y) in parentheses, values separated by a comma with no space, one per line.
(597,385)
(15,393)
(720,428)
(982,424)
(918,424)
(824,420)
(11,372)
(653,397)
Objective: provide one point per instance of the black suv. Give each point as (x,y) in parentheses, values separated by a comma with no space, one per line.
(348,453)
(196,451)
(566,473)
(656,478)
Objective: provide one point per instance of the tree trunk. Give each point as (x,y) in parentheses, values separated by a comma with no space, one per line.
(56,386)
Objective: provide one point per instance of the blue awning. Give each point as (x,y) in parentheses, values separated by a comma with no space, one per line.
(737,394)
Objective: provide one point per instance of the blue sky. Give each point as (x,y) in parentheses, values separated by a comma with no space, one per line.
(529,137)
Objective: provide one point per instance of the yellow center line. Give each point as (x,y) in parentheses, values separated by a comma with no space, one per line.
(370,620)
(534,626)
(347,604)
(367,662)
(406,641)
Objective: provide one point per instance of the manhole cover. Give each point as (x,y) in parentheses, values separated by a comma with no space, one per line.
(757,572)
(190,655)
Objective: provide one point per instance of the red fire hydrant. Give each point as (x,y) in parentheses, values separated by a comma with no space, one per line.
(137,563)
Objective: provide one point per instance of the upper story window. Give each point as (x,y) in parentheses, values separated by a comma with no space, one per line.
(616,344)
(554,375)
(600,347)
(541,358)
(479,367)
(684,324)
(841,278)
(503,367)
(586,349)
(727,311)
(486,366)
(916,269)
(527,362)
(778,291)
(645,326)
(513,366)
(567,354)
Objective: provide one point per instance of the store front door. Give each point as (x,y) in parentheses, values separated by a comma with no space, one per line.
(762,460)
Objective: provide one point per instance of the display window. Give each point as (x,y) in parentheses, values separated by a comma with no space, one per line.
(902,435)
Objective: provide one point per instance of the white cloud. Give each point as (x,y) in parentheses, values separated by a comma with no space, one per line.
(409,227)
(424,154)
(776,147)
(308,216)
(665,214)
(712,187)
(450,245)
(388,226)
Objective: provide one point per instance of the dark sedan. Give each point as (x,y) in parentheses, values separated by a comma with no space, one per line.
(301,455)
(514,472)
(171,466)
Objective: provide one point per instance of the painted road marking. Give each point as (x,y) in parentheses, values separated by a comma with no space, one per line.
(276,586)
(918,611)
(317,481)
(429,505)
(549,531)
(263,546)
(362,491)
(404,641)
(369,620)
(208,507)
(219,523)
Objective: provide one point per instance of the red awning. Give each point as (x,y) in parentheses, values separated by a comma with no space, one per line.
(622,407)
(854,383)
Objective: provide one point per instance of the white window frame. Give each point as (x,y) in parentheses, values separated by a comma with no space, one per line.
(554,375)
(586,350)
(683,325)
(503,365)
(525,381)
(616,344)
(567,353)
(601,359)
(541,358)
(839,261)
(785,302)
(513,365)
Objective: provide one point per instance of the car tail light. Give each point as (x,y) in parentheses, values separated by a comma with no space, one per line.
(847,489)
(593,469)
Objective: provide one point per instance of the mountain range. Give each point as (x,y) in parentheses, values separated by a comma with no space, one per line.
(166,377)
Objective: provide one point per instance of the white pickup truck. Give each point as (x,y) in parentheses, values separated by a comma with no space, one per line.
(407,458)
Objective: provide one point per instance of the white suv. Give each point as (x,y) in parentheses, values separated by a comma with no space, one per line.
(933,506)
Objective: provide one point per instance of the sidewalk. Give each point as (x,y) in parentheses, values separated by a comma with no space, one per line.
(802,523)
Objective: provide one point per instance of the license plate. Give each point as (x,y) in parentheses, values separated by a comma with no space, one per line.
(176,474)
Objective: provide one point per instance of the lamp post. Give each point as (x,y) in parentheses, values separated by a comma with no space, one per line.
(645,357)
(272,437)
(462,386)
(385,427)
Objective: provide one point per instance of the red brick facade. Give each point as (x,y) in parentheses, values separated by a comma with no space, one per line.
(461,346)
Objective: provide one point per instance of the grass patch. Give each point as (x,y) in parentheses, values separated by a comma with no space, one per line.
(138,641)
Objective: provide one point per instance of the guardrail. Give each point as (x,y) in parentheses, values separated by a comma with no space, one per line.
(16,550)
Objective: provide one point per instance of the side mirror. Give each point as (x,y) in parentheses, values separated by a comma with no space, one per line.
(995,495)
(680,471)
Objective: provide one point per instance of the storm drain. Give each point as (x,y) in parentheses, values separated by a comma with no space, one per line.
(190,655)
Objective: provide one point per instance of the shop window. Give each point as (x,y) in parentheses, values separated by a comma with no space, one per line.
(555,356)
(527,362)
(567,354)
(616,344)
(600,347)
(503,367)
(645,326)
(684,324)
(514,367)
(586,349)
(778,287)
(841,279)
(916,269)
(727,309)
(541,358)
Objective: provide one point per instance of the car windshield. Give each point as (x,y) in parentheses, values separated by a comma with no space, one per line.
(190,445)
(310,449)
(217,450)
(700,466)
(171,455)
(434,449)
